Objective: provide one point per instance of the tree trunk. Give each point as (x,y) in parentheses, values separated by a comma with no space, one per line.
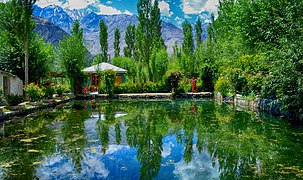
(27,18)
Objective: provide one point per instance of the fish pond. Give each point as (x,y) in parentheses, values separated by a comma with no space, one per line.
(150,140)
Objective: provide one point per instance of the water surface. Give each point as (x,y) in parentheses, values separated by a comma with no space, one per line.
(150,140)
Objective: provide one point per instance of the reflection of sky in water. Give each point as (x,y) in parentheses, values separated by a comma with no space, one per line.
(120,161)
(1,172)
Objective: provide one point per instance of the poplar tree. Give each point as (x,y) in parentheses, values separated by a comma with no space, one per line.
(150,26)
(130,36)
(117,42)
(156,24)
(103,41)
(199,31)
(28,11)
(188,42)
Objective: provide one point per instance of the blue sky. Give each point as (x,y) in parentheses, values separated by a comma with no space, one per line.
(175,11)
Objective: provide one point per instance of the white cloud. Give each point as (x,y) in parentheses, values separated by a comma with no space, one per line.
(108,10)
(81,4)
(165,9)
(179,20)
(198,6)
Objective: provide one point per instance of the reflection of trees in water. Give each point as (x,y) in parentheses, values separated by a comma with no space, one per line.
(26,143)
(74,135)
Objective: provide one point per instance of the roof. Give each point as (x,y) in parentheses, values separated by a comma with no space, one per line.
(7,73)
(103,67)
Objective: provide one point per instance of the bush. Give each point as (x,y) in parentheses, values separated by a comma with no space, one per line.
(224,86)
(1,96)
(108,78)
(49,92)
(34,92)
(173,81)
(60,90)
(14,100)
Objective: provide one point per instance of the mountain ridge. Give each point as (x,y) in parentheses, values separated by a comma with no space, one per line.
(89,21)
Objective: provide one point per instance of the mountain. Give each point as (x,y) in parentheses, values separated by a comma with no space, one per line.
(50,32)
(90,23)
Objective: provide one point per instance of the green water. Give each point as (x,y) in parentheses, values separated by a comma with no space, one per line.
(150,140)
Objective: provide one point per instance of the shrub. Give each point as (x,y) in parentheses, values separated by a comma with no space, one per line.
(173,80)
(49,92)
(224,86)
(108,78)
(1,96)
(14,100)
(34,92)
(60,90)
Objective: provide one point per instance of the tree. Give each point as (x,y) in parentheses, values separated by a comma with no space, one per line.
(117,42)
(11,45)
(127,63)
(187,60)
(28,10)
(103,41)
(150,26)
(130,36)
(198,28)
(188,42)
(156,24)
(72,54)
(159,62)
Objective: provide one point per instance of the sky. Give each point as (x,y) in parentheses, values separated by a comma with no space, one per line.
(174,11)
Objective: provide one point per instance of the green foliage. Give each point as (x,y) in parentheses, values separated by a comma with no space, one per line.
(103,41)
(225,87)
(12,44)
(60,89)
(72,55)
(49,92)
(34,92)
(128,88)
(188,42)
(14,100)
(117,42)
(127,64)
(108,79)
(173,81)
(130,36)
(2,98)
(158,64)
(198,27)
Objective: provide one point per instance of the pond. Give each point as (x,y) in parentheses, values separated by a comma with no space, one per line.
(150,140)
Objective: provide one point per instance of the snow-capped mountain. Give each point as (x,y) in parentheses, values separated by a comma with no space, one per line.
(90,23)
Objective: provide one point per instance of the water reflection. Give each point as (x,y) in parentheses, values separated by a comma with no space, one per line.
(149,140)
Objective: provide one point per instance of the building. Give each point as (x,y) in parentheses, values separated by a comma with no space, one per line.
(10,84)
(93,73)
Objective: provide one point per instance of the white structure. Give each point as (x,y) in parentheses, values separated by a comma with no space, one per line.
(10,84)
(103,67)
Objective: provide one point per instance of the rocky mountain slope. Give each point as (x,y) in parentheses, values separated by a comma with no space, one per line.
(50,32)
(90,24)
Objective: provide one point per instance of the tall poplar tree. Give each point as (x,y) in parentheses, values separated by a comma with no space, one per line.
(198,27)
(130,36)
(28,11)
(188,42)
(103,41)
(156,24)
(150,26)
(117,42)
